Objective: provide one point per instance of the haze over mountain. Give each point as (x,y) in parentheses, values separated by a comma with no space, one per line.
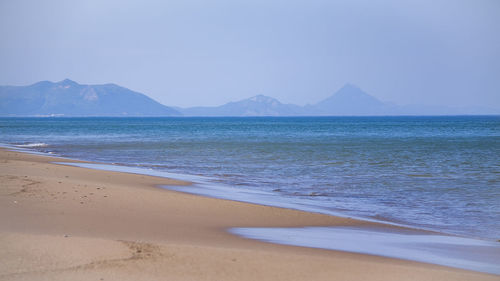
(207,53)
(255,106)
(349,100)
(68,98)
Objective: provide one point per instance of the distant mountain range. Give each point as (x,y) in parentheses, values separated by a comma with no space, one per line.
(68,98)
(347,101)
(255,106)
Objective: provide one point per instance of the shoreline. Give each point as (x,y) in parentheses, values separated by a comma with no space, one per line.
(202,186)
(122,225)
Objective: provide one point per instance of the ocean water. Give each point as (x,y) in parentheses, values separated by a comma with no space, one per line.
(452,251)
(439,173)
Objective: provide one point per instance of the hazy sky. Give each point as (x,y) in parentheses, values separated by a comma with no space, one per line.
(185,53)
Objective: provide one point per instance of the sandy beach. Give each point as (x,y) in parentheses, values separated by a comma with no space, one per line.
(59,222)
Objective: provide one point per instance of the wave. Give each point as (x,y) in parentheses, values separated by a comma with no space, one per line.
(32,145)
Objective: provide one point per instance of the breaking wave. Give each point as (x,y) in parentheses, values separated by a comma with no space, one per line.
(31,145)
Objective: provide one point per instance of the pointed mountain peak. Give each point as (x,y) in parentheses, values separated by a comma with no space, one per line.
(350,90)
(67,82)
(350,100)
(263,99)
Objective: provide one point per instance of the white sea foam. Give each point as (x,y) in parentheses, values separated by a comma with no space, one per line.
(454,251)
(406,170)
(32,145)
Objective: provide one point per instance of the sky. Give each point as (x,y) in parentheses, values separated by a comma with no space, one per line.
(191,53)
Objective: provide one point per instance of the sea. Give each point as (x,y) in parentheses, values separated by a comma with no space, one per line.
(437,173)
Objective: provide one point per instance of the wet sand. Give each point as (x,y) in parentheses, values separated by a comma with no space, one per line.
(60,222)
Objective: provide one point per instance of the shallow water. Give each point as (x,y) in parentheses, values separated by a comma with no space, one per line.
(459,252)
(408,244)
(440,173)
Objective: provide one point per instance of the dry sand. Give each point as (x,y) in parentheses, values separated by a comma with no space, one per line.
(67,223)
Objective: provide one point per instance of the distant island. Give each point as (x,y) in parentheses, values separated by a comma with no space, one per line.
(349,100)
(68,98)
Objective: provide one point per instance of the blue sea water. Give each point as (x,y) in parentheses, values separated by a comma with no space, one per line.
(439,173)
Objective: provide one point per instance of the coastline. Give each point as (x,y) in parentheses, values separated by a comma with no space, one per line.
(60,222)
